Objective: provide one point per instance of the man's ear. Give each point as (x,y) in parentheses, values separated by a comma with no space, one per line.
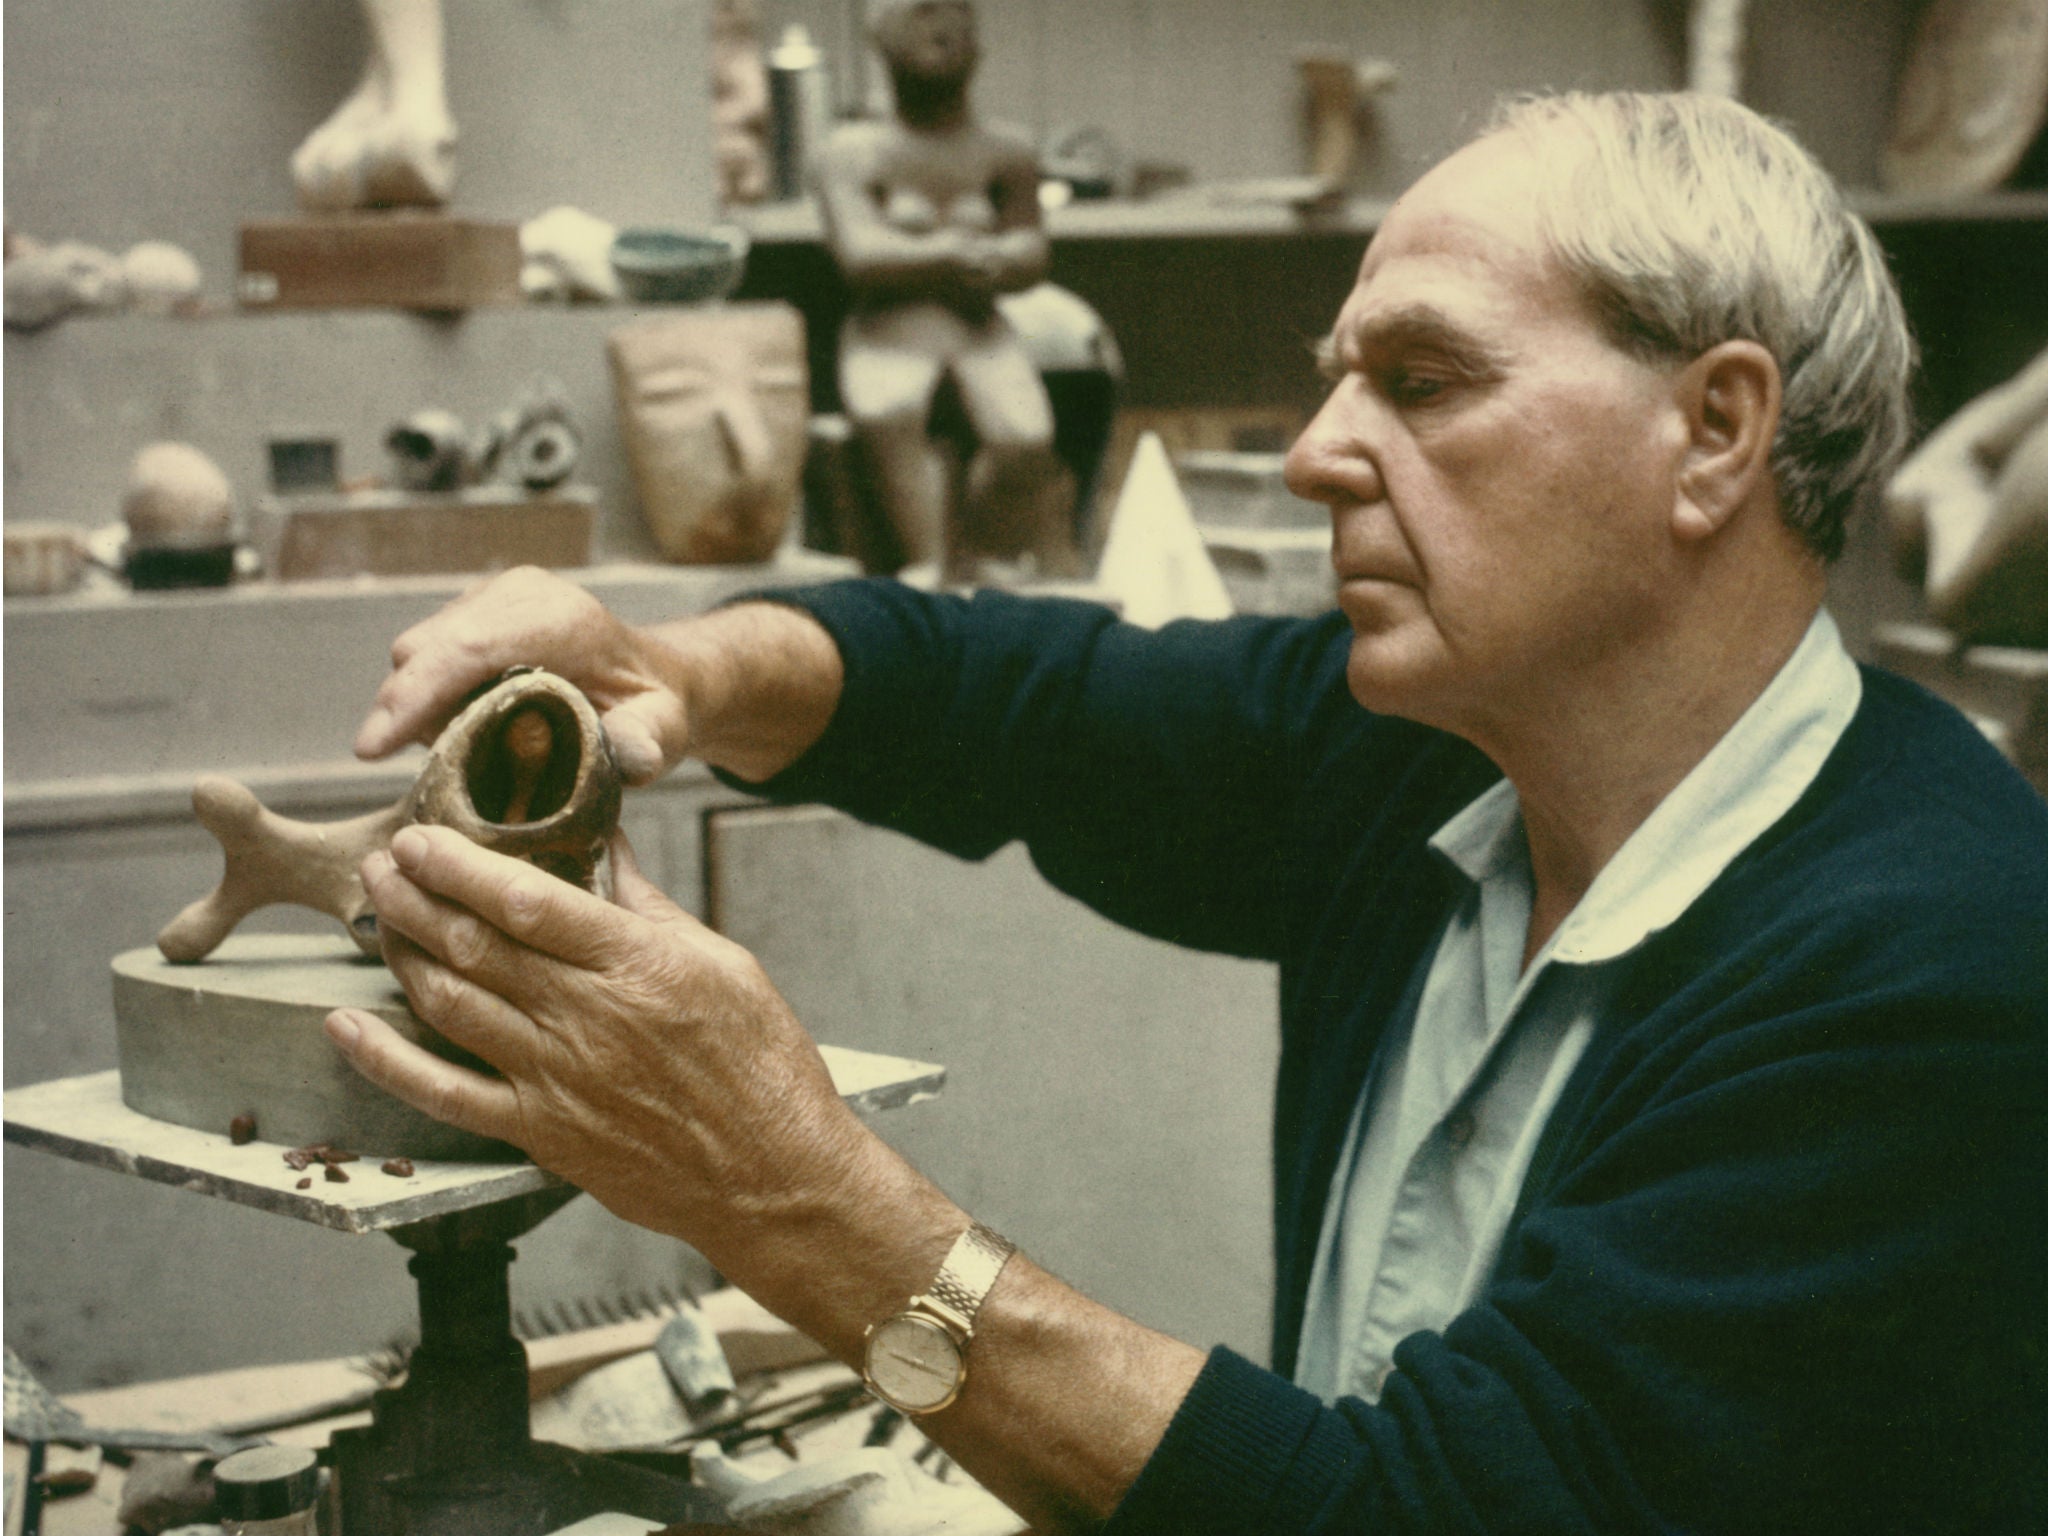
(1730,395)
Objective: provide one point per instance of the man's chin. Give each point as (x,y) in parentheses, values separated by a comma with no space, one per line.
(1389,676)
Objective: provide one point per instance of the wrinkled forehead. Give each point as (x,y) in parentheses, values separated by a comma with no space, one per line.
(1468,236)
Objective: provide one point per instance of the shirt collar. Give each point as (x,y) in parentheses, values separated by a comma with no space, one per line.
(1750,778)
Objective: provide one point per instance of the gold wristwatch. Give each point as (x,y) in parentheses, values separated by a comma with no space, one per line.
(917,1360)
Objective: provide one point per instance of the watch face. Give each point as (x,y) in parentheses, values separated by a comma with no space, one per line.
(914,1364)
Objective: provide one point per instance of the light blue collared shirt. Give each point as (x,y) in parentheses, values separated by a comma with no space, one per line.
(1430,1175)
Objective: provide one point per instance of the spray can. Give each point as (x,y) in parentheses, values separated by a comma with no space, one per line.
(799,111)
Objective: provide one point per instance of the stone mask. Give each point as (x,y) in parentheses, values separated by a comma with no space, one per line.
(714,405)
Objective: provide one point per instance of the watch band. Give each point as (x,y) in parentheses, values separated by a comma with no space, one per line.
(969,1274)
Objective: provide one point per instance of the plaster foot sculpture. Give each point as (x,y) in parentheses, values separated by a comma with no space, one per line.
(931,216)
(1968,514)
(524,770)
(392,143)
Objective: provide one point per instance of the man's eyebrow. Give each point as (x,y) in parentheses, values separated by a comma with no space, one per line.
(1413,325)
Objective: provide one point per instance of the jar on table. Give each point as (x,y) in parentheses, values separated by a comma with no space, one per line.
(269,1490)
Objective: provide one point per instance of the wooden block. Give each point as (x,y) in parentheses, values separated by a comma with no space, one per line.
(398,260)
(423,533)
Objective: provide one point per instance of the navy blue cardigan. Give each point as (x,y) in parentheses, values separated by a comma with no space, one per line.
(1781,1262)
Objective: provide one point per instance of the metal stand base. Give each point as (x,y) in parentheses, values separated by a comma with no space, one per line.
(448,1451)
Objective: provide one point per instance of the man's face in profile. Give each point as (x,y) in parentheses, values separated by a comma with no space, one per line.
(1499,475)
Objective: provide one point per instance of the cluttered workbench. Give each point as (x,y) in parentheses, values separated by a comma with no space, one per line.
(447,1440)
(448,1446)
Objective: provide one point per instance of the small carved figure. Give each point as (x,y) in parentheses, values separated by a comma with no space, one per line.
(524,770)
(712,405)
(739,101)
(931,216)
(392,142)
(1968,515)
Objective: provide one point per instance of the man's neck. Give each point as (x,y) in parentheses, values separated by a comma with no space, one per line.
(1609,749)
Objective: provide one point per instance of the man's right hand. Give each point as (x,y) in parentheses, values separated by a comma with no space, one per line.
(527,617)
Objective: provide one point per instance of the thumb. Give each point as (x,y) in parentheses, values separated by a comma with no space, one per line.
(647,735)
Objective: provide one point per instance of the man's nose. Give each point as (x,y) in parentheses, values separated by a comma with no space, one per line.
(1332,462)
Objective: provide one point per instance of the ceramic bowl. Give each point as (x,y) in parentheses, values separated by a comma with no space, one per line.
(663,264)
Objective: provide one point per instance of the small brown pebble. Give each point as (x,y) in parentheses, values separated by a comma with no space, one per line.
(335,1175)
(332,1155)
(399,1167)
(305,1183)
(242,1130)
(67,1482)
(298,1160)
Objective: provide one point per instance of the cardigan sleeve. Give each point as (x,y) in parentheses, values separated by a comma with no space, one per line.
(1152,774)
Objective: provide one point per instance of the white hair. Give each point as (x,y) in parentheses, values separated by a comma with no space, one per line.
(1690,221)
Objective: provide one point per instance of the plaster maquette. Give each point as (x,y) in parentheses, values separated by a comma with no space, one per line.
(930,216)
(713,402)
(392,142)
(524,770)
(1968,514)
(739,101)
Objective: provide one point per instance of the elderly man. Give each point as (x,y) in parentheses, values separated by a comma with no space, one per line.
(1660,1125)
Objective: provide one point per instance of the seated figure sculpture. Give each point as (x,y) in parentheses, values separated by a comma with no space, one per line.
(931,216)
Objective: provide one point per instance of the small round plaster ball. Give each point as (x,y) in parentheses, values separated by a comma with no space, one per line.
(177,498)
(162,278)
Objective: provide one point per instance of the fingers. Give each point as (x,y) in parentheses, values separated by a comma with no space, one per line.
(478,1020)
(632,890)
(429,683)
(458,1096)
(465,904)
(440,661)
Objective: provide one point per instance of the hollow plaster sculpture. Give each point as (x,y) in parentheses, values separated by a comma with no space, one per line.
(930,216)
(1968,514)
(525,769)
(534,441)
(713,403)
(392,142)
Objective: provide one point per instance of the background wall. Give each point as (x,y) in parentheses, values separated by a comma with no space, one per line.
(127,120)
(1212,84)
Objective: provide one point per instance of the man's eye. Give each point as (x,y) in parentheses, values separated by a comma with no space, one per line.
(1406,388)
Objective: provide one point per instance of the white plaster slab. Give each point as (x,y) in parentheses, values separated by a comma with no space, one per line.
(83,1118)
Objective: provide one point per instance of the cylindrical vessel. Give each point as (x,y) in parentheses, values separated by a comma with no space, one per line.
(799,110)
(269,1490)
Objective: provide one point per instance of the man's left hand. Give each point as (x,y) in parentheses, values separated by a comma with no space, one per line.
(645,1058)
